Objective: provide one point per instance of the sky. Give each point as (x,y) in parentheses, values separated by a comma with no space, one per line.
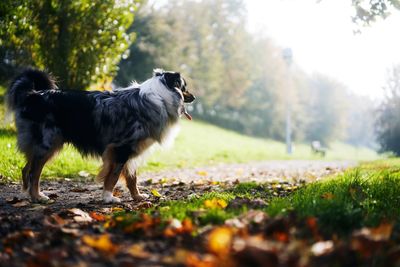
(322,40)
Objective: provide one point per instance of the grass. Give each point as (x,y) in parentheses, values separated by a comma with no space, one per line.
(198,144)
(364,196)
(201,144)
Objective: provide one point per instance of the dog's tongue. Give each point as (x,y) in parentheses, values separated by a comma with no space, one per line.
(188,116)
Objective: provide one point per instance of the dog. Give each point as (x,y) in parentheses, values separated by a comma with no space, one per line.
(118,126)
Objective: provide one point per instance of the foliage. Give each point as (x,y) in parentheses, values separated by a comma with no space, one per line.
(388,123)
(368,11)
(79,41)
(241,79)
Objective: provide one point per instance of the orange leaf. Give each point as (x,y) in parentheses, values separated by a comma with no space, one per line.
(102,243)
(137,251)
(312,223)
(193,260)
(220,240)
(380,233)
(97,216)
(187,225)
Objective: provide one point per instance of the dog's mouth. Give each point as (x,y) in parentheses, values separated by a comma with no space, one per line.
(184,112)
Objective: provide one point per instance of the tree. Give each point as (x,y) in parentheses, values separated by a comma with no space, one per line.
(209,44)
(368,11)
(388,123)
(79,41)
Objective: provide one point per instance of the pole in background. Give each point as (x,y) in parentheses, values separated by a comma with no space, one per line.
(287,55)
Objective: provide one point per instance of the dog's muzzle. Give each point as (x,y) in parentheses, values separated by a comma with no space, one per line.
(187,98)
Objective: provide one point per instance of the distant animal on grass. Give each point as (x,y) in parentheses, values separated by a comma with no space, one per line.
(118,125)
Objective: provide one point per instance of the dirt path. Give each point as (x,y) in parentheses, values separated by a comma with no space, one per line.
(32,231)
(267,171)
(85,193)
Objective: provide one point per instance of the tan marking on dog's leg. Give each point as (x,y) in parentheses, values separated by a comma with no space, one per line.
(131,183)
(108,162)
(109,184)
(109,175)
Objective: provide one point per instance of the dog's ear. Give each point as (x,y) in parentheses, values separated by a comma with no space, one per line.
(158,72)
(173,79)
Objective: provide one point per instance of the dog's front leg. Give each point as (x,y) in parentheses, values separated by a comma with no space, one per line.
(131,183)
(110,181)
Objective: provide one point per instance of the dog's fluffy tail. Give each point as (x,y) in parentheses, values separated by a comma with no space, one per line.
(28,82)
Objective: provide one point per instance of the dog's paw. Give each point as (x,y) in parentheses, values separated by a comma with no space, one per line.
(40,198)
(140,197)
(109,198)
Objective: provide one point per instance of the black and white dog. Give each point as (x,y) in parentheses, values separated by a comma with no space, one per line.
(117,125)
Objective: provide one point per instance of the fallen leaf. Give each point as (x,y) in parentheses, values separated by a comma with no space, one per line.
(102,243)
(137,251)
(163,181)
(54,220)
(322,248)
(22,203)
(220,240)
(79,190)
(70,231)
(97,216)
(81,216)
(84,174)
(193,260)
(13,200)
(380,233)
(147,222)
(144,205)
(176,227)
(202,173)
(155,193)
(215,203)
(117,209)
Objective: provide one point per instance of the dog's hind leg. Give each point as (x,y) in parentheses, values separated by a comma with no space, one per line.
(25,176)
(131,183)
(36,167)
(33,169)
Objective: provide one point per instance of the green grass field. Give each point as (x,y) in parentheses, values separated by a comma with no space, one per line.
(198,144)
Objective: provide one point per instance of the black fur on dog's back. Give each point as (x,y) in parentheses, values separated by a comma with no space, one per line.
(25,83)
(91,120)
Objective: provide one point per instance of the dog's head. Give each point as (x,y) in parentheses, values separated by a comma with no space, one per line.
(176,83)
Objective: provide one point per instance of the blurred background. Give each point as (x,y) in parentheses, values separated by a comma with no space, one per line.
(309,75)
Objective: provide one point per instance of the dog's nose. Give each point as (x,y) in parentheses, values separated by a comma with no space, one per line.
(188,97)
